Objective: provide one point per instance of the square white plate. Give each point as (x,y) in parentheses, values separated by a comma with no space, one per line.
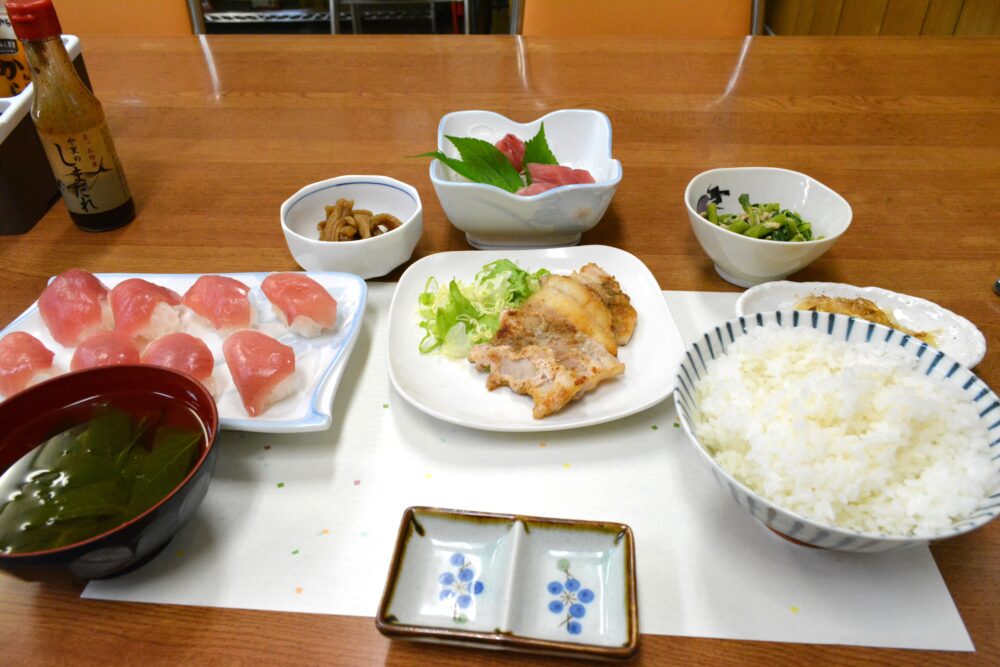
(319,362)
(454,391)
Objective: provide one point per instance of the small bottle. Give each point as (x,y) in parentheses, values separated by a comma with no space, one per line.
(14,75)
(71,124)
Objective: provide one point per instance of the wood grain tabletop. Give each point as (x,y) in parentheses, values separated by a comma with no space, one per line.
(215,132)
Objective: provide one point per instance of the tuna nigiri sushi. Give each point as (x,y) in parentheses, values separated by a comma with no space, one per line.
(24,361)
(144,311)
(107,348)
(263,369)
(224,302)
(74,306)
(301,303)
(184,353)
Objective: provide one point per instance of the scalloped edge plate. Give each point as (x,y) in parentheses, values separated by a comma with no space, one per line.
(955,336)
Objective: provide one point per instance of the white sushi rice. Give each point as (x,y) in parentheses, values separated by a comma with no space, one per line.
(282,390)
(847,435)
(303,326)
(164,319)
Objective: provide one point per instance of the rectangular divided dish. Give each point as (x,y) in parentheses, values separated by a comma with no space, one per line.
(512,582)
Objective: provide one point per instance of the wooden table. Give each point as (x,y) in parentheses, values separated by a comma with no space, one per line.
(216,133)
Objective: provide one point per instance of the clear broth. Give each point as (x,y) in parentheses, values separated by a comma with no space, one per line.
(107,463)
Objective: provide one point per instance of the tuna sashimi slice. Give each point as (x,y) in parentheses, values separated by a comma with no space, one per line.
(223,301)
(144,311)
(181,352)
(535,189)
(23,361)
(263,369)
(513,148)
(74,306)
(558,174)
(301,303)
(107,348)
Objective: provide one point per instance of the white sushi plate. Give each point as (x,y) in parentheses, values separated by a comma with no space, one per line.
(319,362)
(454,391)
(953,334)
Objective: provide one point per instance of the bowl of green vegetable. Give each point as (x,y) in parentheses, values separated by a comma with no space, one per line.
(99,468)
(759,224)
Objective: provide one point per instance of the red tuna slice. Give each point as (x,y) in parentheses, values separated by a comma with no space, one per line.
(558,174)
(513,148)
(535,189)
(183,353)
(136,305)
(301,302)
(107,348)
(74,306)
(261,367)
(224,302)
(22,359)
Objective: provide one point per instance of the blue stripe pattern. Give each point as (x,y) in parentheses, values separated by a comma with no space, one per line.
(937,365)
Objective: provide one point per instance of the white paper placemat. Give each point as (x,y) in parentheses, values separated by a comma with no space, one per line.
(307,522)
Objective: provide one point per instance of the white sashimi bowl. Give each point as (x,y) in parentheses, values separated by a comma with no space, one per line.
(494,218)
(368,258)
(745,261)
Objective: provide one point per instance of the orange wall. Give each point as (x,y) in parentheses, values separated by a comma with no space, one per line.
(671,18)
(141,18)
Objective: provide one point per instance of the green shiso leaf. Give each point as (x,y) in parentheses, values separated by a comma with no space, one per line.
(536,151)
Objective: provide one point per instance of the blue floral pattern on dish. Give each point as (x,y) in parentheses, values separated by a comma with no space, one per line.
(571,599)
(460,586)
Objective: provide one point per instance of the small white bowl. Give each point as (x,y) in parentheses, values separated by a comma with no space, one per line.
(494,218)
(367,258)
(745,261)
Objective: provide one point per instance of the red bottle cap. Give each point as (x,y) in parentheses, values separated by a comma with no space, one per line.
(33,19)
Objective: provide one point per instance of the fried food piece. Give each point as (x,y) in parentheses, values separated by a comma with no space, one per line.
(858,307)
(579,304)
(623,315)
(539,353)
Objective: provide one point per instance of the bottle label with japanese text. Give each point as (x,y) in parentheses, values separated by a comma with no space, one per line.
(86,165)
(14,73)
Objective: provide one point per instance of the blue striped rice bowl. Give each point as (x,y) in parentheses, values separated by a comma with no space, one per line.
(936,365)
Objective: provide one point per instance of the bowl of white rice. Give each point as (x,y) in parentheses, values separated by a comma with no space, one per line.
(840,433)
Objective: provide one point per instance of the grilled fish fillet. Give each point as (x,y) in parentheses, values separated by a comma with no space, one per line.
(539,352)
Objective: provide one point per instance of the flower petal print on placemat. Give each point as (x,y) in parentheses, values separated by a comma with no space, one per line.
(571,599)
(460,587)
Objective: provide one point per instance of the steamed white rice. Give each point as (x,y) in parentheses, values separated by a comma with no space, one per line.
(846,435)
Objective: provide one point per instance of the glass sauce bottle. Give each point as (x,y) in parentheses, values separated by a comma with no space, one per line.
(71,124)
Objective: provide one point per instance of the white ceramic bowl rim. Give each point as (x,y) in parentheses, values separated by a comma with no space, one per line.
(741,323)
(616,179)
(837,195)
(340,181)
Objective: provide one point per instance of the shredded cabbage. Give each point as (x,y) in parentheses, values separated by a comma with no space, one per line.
(459,315)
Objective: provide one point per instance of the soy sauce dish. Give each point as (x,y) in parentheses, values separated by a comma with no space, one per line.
(100,468)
